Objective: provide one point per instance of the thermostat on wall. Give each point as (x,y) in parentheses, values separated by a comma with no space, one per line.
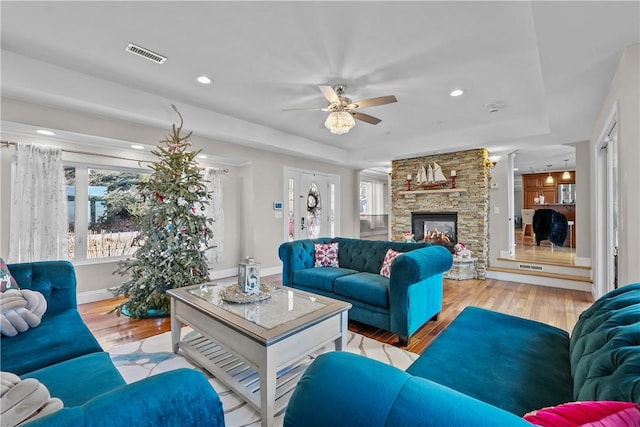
(277,206)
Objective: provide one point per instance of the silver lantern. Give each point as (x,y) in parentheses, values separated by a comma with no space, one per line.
(249,276)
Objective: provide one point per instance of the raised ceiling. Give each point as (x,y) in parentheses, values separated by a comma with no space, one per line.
(548,64)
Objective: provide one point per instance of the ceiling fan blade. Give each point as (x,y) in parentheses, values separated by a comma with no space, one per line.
(330,94)
(305,109)
(366,118)
(381,100)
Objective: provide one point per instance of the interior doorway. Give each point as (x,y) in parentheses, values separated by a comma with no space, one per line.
(531,163)
(606,221)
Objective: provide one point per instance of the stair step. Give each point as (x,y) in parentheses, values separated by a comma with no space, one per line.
(542,262)
(585,279)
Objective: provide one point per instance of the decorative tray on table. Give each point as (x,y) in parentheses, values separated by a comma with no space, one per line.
(232,294)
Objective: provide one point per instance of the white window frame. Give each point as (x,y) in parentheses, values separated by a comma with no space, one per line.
(81,225)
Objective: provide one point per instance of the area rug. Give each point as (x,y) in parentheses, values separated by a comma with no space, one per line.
(152,356)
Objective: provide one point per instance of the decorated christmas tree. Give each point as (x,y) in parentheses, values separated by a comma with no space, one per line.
(174,234)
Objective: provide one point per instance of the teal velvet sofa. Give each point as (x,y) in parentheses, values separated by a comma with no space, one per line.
(485,369)
(402,303)
(63,354)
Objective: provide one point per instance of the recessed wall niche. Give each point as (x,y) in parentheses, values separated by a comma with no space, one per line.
(473,174)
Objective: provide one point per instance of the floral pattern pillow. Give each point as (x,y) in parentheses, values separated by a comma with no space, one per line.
(6,279)
(388,260)
(326,254)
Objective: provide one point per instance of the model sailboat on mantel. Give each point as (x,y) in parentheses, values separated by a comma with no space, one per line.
(431,177)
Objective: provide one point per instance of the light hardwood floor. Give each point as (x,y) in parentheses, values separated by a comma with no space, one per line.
(527,250)
(558,307)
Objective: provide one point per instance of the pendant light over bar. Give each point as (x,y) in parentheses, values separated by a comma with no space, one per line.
(549,178)
(566,174)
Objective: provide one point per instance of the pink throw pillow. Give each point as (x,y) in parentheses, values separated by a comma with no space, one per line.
(326,254)
(6,279)
(388,260)
(587,414)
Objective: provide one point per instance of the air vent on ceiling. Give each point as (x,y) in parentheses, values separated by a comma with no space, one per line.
(146,53)
(494,107)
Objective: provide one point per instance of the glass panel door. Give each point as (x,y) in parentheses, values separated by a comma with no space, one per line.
(312,205)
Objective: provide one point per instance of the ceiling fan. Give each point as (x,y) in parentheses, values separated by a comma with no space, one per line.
(341,108)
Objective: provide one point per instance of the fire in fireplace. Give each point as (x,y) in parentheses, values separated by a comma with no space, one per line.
(438,228)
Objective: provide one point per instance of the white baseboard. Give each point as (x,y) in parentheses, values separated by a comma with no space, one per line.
(225,276)
(539,280)
(93,296)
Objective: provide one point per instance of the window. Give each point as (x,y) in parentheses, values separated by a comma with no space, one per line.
(104,208)
(372,194)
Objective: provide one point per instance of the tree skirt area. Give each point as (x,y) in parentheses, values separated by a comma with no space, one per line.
(152,356)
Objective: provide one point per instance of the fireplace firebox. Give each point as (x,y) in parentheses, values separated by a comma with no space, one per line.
(438,228)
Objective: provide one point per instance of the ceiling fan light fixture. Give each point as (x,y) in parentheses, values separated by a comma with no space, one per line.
(339,122)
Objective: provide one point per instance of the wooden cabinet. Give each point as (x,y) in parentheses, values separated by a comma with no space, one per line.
(534,185)
(530,182)
(550,195)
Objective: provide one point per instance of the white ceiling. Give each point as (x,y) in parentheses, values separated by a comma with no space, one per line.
(549,64)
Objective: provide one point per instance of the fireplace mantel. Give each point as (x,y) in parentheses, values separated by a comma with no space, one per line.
(437,190)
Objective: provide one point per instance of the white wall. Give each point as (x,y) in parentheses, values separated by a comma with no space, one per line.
(249,188)
(498,211)
(625,90)
(584,191)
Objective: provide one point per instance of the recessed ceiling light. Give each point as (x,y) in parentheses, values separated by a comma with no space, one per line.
(204,80)
(202,156)
(45,132)
(456,92)
(137,147)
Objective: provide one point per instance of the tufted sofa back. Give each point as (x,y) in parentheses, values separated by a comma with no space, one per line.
(605,348)
(367,255)
(56,280)
(356,254)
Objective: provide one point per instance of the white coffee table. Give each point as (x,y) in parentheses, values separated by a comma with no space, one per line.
(259,349)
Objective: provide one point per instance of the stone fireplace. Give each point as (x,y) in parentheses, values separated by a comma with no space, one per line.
(438,228)
(469,201)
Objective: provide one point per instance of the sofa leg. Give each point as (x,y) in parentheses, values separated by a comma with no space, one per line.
(403,340)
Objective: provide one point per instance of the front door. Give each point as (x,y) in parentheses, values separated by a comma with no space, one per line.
(313,200)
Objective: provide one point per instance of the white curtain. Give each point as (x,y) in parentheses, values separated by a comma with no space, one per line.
(38,216)
(377,198)
(374,193)
(215,212)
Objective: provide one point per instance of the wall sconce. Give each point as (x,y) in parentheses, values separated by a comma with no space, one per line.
(493,160)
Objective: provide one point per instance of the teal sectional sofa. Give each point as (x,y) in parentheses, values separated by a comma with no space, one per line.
(485,369)
(63,355)
(402,303)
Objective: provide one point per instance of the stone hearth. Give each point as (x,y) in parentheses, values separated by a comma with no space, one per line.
(472,206)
